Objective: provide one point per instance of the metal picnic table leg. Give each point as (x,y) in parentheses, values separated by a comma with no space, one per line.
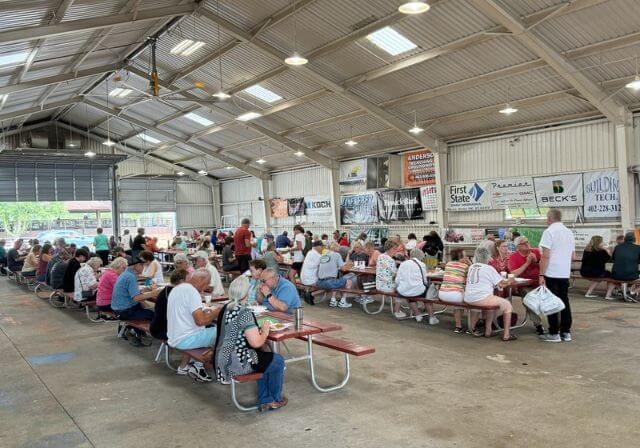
(341,384)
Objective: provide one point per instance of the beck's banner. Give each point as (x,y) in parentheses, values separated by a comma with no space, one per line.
(353,171)
(399,205)
(517,192)
(418,168)
(319,207)
(429,197)
(279,208)
(296,206)
(472,196)
(601,194)
(563,190)
(359,209)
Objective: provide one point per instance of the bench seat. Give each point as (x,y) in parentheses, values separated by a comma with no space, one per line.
(341,345)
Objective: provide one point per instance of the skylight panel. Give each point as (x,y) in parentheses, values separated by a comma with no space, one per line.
(264,94)
(199,119)
(391,41)
(13,59)
(149,139)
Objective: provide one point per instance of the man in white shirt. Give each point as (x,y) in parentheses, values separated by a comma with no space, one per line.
(309,273)
(298,254)
(187,321)
(558,245)
(201,261)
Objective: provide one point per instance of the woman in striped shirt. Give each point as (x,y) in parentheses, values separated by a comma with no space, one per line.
(452,287)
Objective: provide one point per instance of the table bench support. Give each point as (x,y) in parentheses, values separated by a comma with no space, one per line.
(234,398)
(341,384)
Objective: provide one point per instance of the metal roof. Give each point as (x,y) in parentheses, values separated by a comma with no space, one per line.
(455,80)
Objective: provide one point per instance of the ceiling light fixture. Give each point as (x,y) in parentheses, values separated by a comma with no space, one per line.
(508,110)
(351,141)
(119,92)
(247,116)
(89,154)
(415,130)
(261,161)
(295,58)
(180,173)
(220,94)
(187,47)
(228,168)
(635,84)
(415,7)
(203,173)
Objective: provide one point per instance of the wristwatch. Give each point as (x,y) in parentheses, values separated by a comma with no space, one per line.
(268,296)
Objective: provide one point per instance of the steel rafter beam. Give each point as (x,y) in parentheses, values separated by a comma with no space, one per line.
(559,63)
(94,23)
(42,107)
(199,148)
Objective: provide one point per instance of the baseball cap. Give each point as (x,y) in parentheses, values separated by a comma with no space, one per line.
(135,261)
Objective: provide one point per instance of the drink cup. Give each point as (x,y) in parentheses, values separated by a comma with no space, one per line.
(503,274)
(207,300)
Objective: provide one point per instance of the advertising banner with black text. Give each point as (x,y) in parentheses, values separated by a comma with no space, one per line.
(563,190)
(419,168)
(470,196)
(399,205)
(601,194)
(296,206)
(359,209)
(517,192)
(429,197)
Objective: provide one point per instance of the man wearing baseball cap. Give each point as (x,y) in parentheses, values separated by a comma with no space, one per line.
(127,296)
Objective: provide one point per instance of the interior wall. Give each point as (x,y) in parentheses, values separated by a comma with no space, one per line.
(194,206)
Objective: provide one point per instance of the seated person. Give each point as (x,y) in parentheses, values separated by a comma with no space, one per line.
(328,270)
(482,279)
(238,349)
(14,259)
(158,327)
(372,252)
(46,254)
(201,260)
(187,320)
(594,260)
(386,269)
(58,269)
(525,263)
(120,252)
(501,257)
(309,272)
(127,297)
(3,252)
(181,261)
(86,280)
(411,281)
(30,265)
(278,293)
(106,283)
(271,257)
(255,267)
(453,282)
(358,253)
(229,262)
(626,257)
(69,281)
(152,271)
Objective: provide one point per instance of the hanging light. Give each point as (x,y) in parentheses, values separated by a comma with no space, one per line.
(89,154)
(202,173)
(508,110)
(351,142)
(635,84)
(295,58)
(414,7)
(415,130)
(108,142)
(180,173)
(261,161)
(228,167)
(220,94)
(299,153)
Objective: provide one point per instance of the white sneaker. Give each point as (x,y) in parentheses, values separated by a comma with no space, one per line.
(399,315)
(566,337)
(184,370)
(591,296)
(433,320)
(344,304)
(366,300)
(418,318)
(334,302)
(199,374)
(359,299)
(550,338)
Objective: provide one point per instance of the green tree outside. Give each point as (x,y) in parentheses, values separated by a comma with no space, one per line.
(17,217)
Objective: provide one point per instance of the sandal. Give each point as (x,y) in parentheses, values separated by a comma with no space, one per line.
(512,337)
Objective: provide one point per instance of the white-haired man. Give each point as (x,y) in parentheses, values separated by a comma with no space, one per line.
(201,261)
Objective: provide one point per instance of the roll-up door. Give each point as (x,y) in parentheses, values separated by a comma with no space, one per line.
(64,181)
(147,195)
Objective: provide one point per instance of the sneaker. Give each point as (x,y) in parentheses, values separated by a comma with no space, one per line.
(334,302)
(591,296)
(609,298)
(344,304)
(418,318)
(566,337)
(366,300)
(184,370)
(433,320)
(199,374)
(359,299)
(458,330)
(399,315)
(550,338)
(540,330)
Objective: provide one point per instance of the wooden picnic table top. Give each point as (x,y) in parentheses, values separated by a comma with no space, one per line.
(309,327)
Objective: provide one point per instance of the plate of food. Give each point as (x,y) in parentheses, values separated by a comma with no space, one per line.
(521,280)
(278,326)
(257,309)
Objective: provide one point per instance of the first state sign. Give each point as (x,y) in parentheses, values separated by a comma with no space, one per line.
(469,196)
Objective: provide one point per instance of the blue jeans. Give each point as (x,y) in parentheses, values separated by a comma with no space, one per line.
(332,283)
(134,313)
(203,338)
(270,385)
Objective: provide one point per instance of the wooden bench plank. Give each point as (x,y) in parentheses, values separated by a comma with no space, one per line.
(142,325)
(341,345)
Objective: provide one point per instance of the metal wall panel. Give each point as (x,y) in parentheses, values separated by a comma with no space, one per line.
(240,190)
(313,181)
(195,206)
(147,195)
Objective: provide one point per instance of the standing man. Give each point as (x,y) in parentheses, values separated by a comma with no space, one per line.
(126,242)
(137,245)
(242,245)
(298,252)
(558,250)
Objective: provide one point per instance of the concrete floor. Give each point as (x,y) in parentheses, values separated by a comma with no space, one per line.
(66,382)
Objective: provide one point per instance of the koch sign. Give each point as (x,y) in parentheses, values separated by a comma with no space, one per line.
(559,191)
(472,196)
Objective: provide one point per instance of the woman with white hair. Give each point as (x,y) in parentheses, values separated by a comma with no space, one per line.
(482,279)
(181,262)
(238,348)
(86,280)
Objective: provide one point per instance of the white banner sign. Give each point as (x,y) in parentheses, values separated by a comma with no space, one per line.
(601,194)
(429,197)
(517,192)
(583,235)
(353,171)
(473,196)
(563,190)
(318,206)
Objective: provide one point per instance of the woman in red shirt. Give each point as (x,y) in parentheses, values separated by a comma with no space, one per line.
(344,240)
(501,256)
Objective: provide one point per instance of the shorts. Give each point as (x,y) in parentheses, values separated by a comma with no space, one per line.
(332,283)
(297,266)
(451,296)
(204,337)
